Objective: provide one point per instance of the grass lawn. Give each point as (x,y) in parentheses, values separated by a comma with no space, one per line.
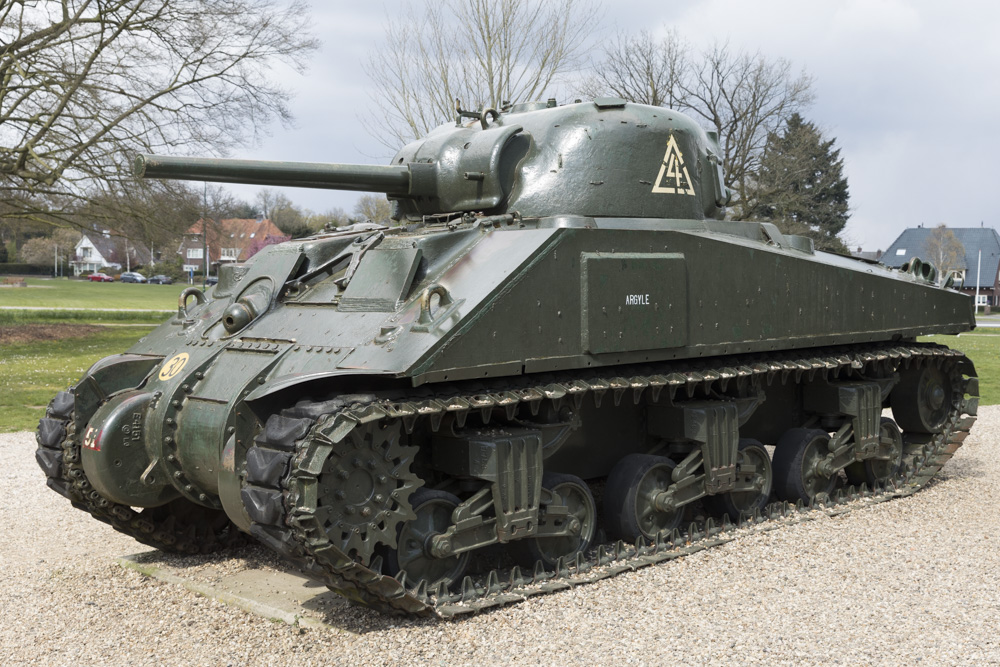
(983,347)
(49,341)
(32,372)
(64,293)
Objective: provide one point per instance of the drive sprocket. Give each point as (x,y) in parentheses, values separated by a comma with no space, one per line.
(351,485)
(364,488)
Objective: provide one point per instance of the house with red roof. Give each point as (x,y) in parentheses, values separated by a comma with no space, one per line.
(229,240)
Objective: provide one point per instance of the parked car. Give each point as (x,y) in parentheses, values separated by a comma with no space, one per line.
(101,278)
(133,277)
(212,280)
(161,279)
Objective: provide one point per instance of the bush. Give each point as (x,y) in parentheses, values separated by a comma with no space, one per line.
(173,269)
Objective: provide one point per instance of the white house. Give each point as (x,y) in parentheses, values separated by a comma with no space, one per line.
(99,249)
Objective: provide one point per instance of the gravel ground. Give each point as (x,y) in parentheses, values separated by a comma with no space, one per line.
(905,581)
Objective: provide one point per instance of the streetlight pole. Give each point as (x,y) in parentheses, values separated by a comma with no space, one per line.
(979,269)
(204,237)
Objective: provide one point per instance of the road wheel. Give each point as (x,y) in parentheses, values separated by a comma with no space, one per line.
(795,464)
(629,498)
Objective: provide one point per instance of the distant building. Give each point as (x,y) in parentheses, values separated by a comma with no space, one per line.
(97,250)
(229,240)
(985,240)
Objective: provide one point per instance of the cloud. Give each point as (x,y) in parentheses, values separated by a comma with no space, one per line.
(908,89)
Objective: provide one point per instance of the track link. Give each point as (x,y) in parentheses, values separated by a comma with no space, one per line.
(285,518)
(179,526)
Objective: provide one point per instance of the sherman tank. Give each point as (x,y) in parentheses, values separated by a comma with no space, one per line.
(561,363)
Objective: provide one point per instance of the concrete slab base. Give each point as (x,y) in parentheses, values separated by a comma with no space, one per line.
(275,594)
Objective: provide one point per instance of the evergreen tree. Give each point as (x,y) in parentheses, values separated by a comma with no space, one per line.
(800,185)
(3,254)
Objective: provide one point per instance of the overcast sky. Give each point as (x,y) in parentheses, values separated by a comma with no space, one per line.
(907,88)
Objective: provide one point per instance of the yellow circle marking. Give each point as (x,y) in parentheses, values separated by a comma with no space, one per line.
(174,366)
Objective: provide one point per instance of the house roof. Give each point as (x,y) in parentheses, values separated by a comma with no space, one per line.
(112,248)
(235,233)
(912,243)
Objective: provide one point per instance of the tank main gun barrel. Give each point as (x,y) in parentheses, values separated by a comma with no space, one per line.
(411,180)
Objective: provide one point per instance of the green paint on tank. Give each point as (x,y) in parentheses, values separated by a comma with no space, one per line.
(545,255)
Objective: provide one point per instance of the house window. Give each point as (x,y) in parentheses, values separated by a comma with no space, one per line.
(85,252)
(983,300)
(196,253)
(230,253)
(900,252)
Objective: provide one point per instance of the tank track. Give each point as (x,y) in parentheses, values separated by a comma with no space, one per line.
(179,526)
(293,530)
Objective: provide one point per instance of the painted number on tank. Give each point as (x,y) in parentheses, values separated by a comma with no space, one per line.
(636,299)
(673,177)
(90,439)
(174,366)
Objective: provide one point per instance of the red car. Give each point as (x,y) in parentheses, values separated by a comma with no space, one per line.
(101,278)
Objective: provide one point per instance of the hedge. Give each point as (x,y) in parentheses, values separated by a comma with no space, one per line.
(9,269)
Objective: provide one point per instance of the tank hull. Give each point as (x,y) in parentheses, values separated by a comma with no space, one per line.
(562,296)
(600,294)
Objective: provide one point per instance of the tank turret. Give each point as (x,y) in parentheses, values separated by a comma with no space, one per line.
(602,158)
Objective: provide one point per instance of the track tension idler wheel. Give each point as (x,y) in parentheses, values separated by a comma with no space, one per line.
(922,400)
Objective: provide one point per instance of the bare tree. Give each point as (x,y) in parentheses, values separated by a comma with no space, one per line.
(374,208)
(289,218)
(15,225)
(335,216)
(482,52)
(743,97)
(42,251)
(84,81)
(156,213)
(945,251)
(641,68)
(267,200)
(293,220)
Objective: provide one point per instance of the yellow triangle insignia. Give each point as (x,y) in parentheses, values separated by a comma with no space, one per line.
(673,178)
